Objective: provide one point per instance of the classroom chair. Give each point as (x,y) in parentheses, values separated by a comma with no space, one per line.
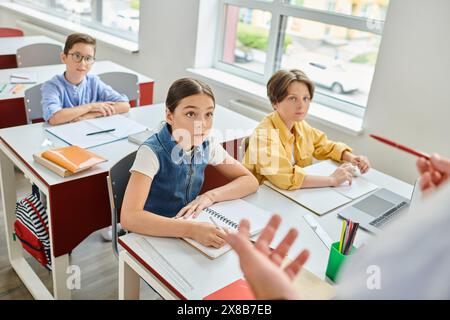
(33,97)
(38,54)
(124,83)
(117,181)
(243,148)
(10,32)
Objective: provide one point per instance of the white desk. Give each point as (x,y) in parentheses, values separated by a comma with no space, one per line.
(77,205)
(9,45)
(45,73)
(206,276)
(12,107)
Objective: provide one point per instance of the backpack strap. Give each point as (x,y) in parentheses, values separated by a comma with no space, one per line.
(35,191)
(37,213)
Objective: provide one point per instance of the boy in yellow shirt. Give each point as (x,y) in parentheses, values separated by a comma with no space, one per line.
(284,143)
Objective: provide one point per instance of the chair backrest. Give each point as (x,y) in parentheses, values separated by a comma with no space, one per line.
(38,54)
(243,148)
(10,32)
(117,181)
(33,104)
(124,83)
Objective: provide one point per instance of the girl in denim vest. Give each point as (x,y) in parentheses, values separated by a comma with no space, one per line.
(168,172)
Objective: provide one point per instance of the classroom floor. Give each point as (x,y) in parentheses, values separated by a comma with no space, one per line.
(94,256)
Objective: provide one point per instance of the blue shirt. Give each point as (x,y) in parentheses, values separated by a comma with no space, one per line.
(58,93)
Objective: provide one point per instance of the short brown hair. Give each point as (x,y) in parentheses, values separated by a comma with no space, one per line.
(277,87)
(186,87)
(75,38)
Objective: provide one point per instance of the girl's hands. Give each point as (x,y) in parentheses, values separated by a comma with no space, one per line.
(195,207)
(208,234)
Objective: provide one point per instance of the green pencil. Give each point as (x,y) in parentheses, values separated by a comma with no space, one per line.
(3,87)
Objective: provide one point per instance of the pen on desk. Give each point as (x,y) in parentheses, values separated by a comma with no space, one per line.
(3,87)
(401,147)
(19,77)
(97,132)
(16,88)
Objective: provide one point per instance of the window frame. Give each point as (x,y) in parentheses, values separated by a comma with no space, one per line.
(96,24)
(280,9)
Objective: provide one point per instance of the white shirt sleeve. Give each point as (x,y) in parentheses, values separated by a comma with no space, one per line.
(217,154)
(146,162)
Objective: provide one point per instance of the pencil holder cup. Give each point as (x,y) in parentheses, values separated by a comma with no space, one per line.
(335,261)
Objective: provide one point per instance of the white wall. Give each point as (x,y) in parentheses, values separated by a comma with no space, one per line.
(410,96)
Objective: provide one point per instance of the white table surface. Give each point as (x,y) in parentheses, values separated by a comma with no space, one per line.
(9,45)
(27,140)
(206,276)
(47,72)
(292,216)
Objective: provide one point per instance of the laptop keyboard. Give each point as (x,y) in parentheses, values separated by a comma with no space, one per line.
(386,217)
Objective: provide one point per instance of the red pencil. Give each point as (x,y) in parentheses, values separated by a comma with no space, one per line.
(401,147)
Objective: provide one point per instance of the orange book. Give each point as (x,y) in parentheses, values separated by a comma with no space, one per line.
(237,290)
(73,158)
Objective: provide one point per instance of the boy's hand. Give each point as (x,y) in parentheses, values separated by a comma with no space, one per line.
(105,108)
(362,162)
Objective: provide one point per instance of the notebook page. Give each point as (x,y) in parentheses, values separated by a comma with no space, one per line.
(318,200)
(360,186)
(123,126)
(228,214)
(76,133)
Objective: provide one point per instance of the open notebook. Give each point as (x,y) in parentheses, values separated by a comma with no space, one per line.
(323,200)
(228,214)
(82,133)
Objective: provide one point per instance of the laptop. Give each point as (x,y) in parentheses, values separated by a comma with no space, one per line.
(380,208)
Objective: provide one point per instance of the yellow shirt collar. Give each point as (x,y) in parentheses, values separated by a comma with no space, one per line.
(286,136)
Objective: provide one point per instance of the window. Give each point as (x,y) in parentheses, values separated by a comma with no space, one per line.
(335,42)
(117,17)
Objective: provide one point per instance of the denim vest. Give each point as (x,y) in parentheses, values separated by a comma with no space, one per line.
(180,176)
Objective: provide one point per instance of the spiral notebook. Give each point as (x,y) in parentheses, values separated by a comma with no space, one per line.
(228,214)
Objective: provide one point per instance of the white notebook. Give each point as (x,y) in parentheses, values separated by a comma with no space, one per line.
(140,137)
(77,133)
(228,214)
(323,200)
(360,186)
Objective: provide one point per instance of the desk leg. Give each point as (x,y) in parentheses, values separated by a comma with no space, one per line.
(129,284)
(18,262)
(61,289)
(8,184)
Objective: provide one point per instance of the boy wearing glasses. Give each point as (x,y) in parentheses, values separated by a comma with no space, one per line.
(77,95)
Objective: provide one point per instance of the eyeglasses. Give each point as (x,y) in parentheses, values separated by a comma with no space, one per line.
(76,57)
